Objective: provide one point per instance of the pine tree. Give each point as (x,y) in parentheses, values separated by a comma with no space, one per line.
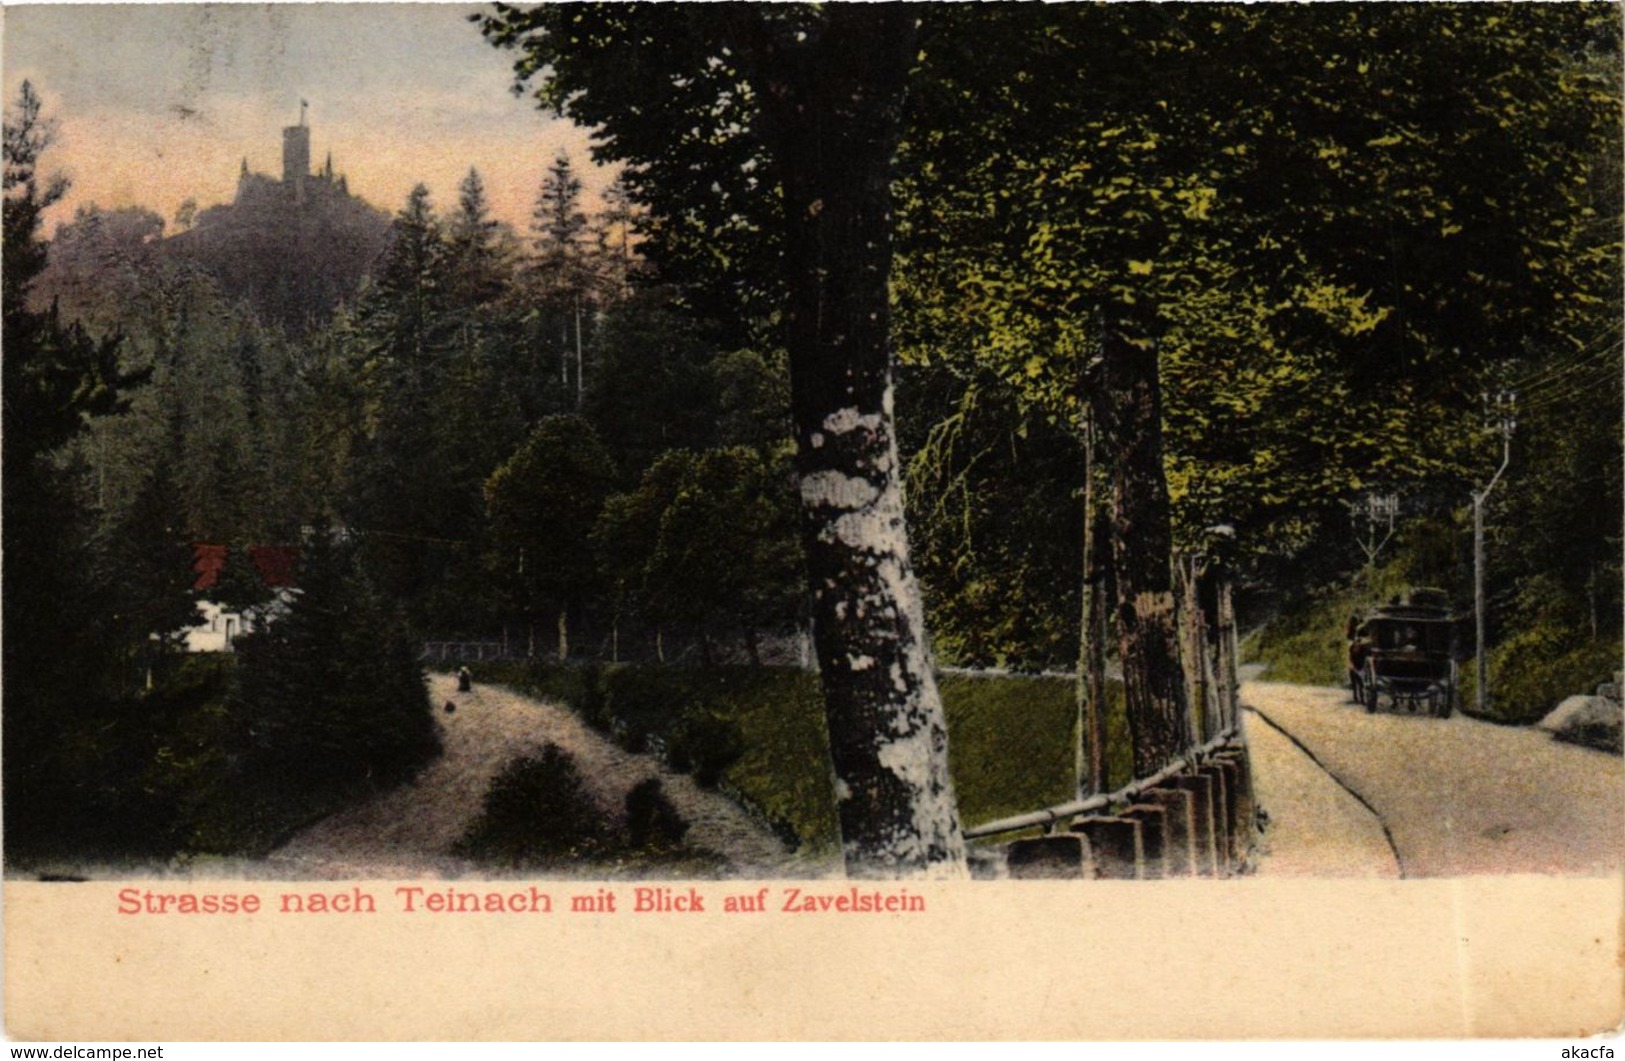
(559,228)
(330,698)
(476,255)
(402,498)
(58,667)
(147,575)
(561,269)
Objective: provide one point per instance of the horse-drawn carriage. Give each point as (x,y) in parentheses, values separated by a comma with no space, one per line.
(1406,650)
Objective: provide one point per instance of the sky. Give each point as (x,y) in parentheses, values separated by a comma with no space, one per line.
(155,104)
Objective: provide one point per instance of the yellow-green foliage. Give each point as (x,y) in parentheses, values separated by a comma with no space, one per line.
(1308,643)
(1536,669)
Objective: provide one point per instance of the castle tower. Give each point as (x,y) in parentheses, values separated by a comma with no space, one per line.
(296,155)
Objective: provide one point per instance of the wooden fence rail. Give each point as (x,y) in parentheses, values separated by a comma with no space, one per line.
(464,651)
(1050,815)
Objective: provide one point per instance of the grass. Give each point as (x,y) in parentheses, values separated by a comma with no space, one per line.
(1010,739)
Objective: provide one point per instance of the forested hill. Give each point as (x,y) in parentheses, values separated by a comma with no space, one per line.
(291,260)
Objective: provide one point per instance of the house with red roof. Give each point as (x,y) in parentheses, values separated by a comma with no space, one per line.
(277,567)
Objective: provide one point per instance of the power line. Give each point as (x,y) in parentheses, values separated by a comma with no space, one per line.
(1537,377)
(1575,389)
(1560,377)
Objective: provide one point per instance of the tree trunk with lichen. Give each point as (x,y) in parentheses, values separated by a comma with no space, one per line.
(1127,405)
(832,101)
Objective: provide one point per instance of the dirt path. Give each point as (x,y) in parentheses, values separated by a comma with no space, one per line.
(1317,828)
(408,832)
(1457,796)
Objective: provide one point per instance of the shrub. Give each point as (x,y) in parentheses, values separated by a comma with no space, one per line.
(1537,668)
(705,744)
(536,812)
(643,702)
(651,820)
(1307,642)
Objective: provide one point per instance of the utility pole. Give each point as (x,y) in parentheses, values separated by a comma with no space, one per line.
(581,376)
(1379,509)
(1090,757)
(1505,404)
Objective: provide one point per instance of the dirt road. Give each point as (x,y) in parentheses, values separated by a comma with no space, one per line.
(408,833)
(1357,794)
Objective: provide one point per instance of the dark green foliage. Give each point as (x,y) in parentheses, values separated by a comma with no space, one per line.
(480,251)
(64,644)
(330,703)
(1554,526)
(537,813)
(651,820)
(996,514)
(1307,641)
(401,498)
(542,504)
(995,723)
(753,395)
(560,228)
(636,703)
(707,543)
(705,745)
(148,578)
(293,261)
(710,187)
(704,98)
(673,404)
(436,407)
(546,681)
(240,586)
(228,407)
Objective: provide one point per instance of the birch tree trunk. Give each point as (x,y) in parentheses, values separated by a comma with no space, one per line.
(832,98)
(1128,407)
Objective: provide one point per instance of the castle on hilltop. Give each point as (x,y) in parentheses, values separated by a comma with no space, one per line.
(297,183)
(294,248)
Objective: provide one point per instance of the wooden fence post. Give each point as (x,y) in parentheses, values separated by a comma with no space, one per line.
(1064,856)
(1115,844)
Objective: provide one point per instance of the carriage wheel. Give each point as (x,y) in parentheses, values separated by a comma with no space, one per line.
(1371,694)
(1447,702)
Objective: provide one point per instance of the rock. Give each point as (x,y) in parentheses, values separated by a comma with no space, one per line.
(987,863)
(1609,691)
(1564,714)
(1594,721)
